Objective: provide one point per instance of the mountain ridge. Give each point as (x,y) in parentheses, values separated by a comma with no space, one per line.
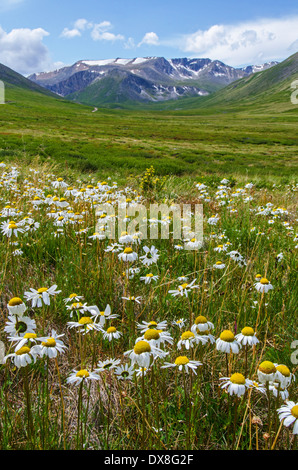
(142,79)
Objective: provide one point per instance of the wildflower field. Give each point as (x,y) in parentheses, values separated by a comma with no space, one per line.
(135,342)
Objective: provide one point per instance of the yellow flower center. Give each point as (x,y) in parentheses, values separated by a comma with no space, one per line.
(85,321)
(267,367)
(23,350)
(142,347)
(294,411)
(12,226)
(187,335)
(30,335)
(128,250)
(72,296)
(149,275)
(112,329)
(247,331)
(200,319)
(49,343)
(184,286)
(284,370)
(82,374)
(238,379)
(60,179)
(181,361)
(42,289)
(264,281)
(151,334)
(227,336)
(15,301)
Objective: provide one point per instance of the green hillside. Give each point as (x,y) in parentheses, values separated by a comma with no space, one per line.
(217,139)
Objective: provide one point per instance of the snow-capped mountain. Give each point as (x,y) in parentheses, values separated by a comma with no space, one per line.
(141,79)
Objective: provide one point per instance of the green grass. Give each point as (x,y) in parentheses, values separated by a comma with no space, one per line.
(251,145)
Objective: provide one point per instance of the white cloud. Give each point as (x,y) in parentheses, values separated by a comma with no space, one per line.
(79,26)
(23,50)
(150,39)
(250,42)
(100,32)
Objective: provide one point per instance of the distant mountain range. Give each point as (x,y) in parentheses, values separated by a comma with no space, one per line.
(113,82)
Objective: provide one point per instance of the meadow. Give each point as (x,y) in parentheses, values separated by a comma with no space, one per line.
(131,342)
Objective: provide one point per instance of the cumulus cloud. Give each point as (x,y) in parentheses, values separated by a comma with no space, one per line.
(23,50)
(150,39)
(244,43)
(101,32)
(79,26)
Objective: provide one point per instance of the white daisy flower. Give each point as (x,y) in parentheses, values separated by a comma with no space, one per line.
(183,289)
(77,377)
(266,372)
(42,295)
(149,278)
(128,255)
(50,346)
(16,307)
(111,333)
(283,375)
(150,257)
(247,337)
(104,315)
(22,357)
(202,324)
(237,384)
(289,415)
(143,352)
(15,326)
(156,337)
(124,372)
(85,324)
(146,325)
(263,285)
(183,363)
(227,343)
(108,364)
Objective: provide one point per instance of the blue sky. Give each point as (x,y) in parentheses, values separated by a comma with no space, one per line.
(43,35)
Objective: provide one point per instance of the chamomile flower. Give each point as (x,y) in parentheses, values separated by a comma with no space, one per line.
(283,375)
(180,323)
(279,391)
(10,229)
(128,255)
(21,357)
(202,324)
(112,333)
(108,364)
(184,289)
(266,372)
(41,296)
(150,257)
(143,352)
(288,413)
(16,307)
(27,340)
(247,337)
(263,285)
(156,337)
(149,278)
(50,345)
(146,325)
(187,339)
(124,372)
(219,265)
(237,384)
(15,326)
(102,315)
(79,376)
(183,364)
(227,343)
(85,324)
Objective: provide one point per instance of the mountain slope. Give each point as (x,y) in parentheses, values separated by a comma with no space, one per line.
(148,79)
(267,90)
(14,79)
